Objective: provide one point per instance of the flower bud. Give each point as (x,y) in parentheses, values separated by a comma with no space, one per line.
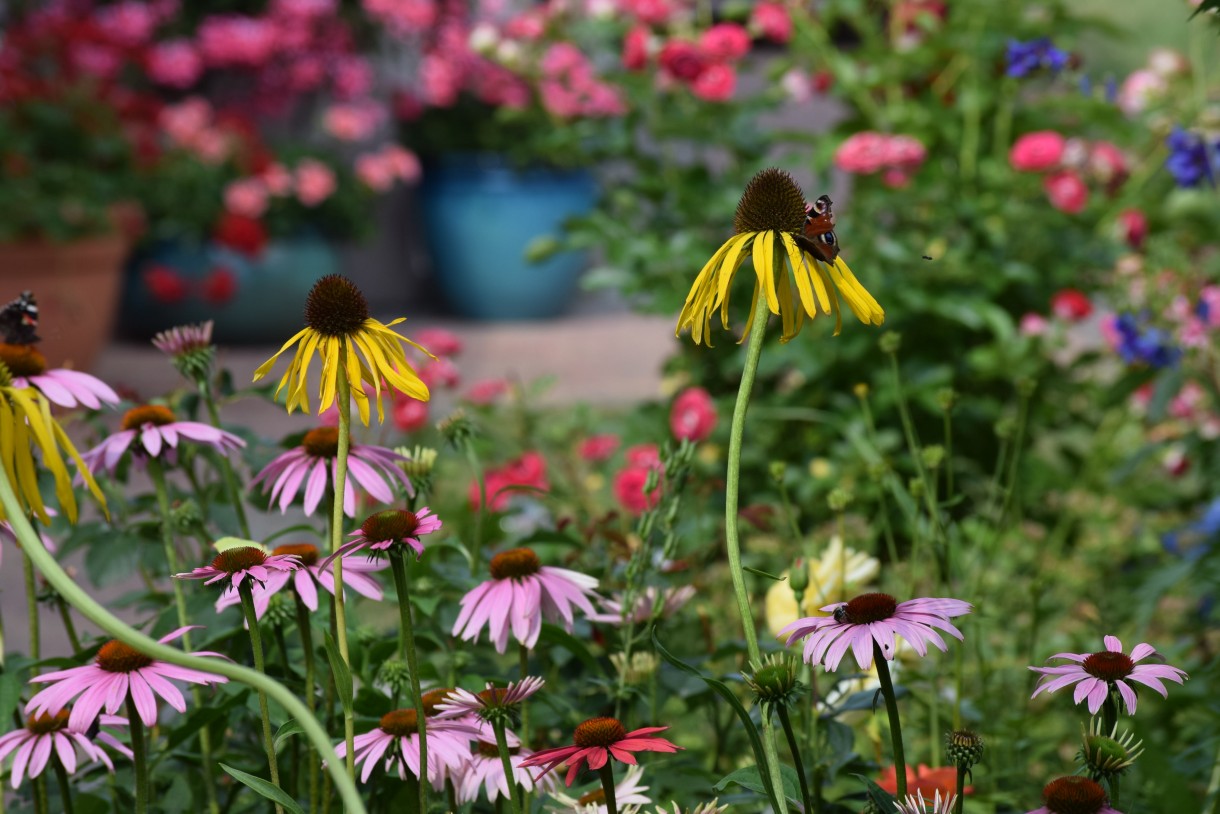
(890,342)
(964,748)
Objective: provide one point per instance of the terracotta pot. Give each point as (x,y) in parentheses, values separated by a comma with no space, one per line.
(76,286)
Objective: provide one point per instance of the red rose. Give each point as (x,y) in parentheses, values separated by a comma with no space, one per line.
(1066,191)
(682,60)
(1037,152)
(165,284)
(693,415)
(598,447)
(629,486)
(1071,305)
(241,233)
(635,48)
(409,414)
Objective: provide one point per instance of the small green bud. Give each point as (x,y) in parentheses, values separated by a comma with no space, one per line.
(964,748)
(878,470)
(185,516)
(457,429)
(1026,387)
(1107,756)
(933,456)
(890,342)
(774,683)
(839,499)
(395,675)
(916,488)
(861,390)
(1005,428)
(281,611)
(946,397)
(798,575)
(777,470)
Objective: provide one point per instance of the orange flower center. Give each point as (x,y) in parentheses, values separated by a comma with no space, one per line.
(515,563)
(597,797)
(867,608)
(399,723)
(154,414)
(1074,795)
(236,560)
(44,724)
(434,698)
(493,697)
(322,442)
(599,732)
(22,360)
(1108,665)
(392,524)
(116,657)
(307,552)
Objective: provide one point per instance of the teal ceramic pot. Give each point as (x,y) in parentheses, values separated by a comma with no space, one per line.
(252,300)
(480,216)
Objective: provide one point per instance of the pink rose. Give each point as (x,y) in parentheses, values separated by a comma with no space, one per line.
(772,21)
(649,12)
(906,152)
(1132,227)
(725,42)
(564,59)
(598,447)
(716,83)
(98,61)
(315,182)
(228,40)
(487,391)
(353,121)
(441,80)
(277,179)
(128,23)
(409,414)
(352,77)
(1106,161)
(635,48)
(174,63)
(693,415)
(645,455)
(1071,305)
(528,26)
(682,60)
(629,486)
(246,196)
(403,17)
(375,172)
(1066,191)
(184,121)
(863,153)
(1037,152)
(439,341)
(439,372)
(303,10)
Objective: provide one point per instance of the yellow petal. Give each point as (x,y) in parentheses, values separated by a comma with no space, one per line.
(876,312)
(750,321)
(764,267)
(824,279)
(267,365)
(800,274)
(733,259)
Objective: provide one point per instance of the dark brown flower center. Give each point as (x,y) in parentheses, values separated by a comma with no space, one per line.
(236,560)
(392,524)
(597,797)
(434,698)
(22,360)
(867,608)
(493,697)
(1108,665)
(515,564)
(599,732)
(307,553)
(400,723)
(772,200)
(322,442)
(44,724)
(154,414)
(1074,795)
(335,306)
(116,657)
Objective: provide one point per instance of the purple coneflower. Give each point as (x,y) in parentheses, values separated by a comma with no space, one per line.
(493,699)
(396,741)
(595,742)
(118,670)
(1074,795)
(519,594)
(672,600)
(157,430)
(67,388)
(43,734)
(392,527)
(313,464)
(234,565)
(875,617)
(1096,674)
(307,577)
(485,770)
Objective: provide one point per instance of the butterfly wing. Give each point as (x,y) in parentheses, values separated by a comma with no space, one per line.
(19,320)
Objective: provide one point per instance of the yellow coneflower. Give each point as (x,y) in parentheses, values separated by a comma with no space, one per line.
(26,423)
(769,226)
(337,324)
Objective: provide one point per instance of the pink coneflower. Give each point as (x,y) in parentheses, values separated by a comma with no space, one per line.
(672,600)
(184,339)
(916,804)
(385,529)
(235,565)
(43,734)
(66,388)
(313,463)
(596,741)
(875,617)
(520,592)
(306,579)
(1097,674)
(490,701)
(397,741)
(119,669)
(1074,795)
(485,770)
(157,431)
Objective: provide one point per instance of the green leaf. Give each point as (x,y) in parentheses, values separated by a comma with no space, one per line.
(721,689)
(759,573)
(882,798)
(343,676)
(10,695)
(287,729)
(258,784)
(749,778)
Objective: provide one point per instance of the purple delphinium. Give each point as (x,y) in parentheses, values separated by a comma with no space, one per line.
(1191,159)
(1139,343)
(1026,57)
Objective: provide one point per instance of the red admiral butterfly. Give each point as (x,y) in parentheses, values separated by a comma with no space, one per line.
(19,320)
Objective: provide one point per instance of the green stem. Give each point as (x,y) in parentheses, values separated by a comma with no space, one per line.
(732,489)
(891,707)
(960,802)
(344,399)
(65,788)
(41,805)
(226,468)
(69,626)
(256,644)
(31,609)
(139,755)
(502,747)
(607,775)
(88,607)
(311,698)
(786,723)
(1109,712)
(406,647)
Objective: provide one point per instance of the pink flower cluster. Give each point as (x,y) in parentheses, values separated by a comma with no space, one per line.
(706,66)
(502,483)
(312,182)
(381,168)
(896,157)
(1067,164)
(631,481)
(569,87)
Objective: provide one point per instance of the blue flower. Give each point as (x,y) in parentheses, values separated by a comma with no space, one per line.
(1191,160)
(1138,343)
(1026,57)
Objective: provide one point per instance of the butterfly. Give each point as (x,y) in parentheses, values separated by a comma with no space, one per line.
(19,320)
(819,237)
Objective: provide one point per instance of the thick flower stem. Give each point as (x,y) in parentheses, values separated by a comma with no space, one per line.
(31,603)
(139,755)
(786,723)
(406,649)
(226,468)
(960,802)
(157,475)
(607,775)
(88,607)
(65,788)
(732,490)
(891,707)
(344,399)
(502,747)
(311,700)
(256,645)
